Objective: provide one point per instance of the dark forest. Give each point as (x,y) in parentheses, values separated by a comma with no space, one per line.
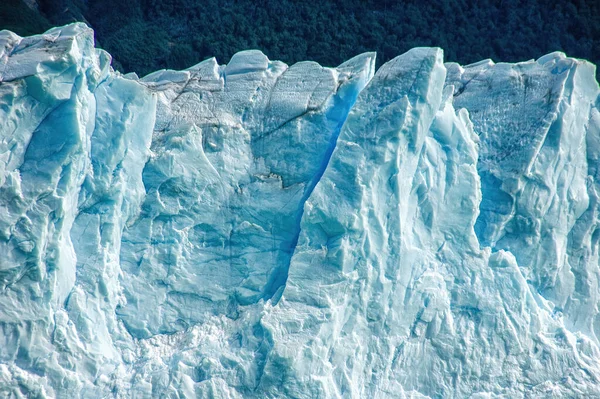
(146,35)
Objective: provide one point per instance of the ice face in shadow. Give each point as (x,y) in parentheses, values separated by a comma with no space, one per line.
(539,170)
(235,153)
(262,230)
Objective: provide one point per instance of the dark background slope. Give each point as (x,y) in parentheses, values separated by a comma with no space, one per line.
(145,35)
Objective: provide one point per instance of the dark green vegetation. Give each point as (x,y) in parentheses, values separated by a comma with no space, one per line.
(145,35)
(17,17)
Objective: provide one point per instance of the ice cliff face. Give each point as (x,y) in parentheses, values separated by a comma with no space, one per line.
(259,230)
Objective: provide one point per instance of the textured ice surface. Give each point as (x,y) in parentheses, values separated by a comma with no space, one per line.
(264,230)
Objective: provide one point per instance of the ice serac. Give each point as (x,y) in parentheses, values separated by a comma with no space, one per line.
(235,153)
(407,298)
(257,230)
(538,165)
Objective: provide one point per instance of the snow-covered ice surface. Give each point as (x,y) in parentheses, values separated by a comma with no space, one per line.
(262,230)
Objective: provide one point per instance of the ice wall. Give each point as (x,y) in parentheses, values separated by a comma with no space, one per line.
(259,230)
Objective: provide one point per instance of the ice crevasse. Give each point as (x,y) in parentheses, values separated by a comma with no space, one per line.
(258,230)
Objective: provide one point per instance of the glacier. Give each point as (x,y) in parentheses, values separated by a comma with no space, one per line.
(257,230)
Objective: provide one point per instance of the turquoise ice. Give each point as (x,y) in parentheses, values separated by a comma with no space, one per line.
(258,230)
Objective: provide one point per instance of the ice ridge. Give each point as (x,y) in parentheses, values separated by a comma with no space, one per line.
(257,230)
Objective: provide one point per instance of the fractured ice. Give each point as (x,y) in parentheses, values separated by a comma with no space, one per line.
(264,230)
